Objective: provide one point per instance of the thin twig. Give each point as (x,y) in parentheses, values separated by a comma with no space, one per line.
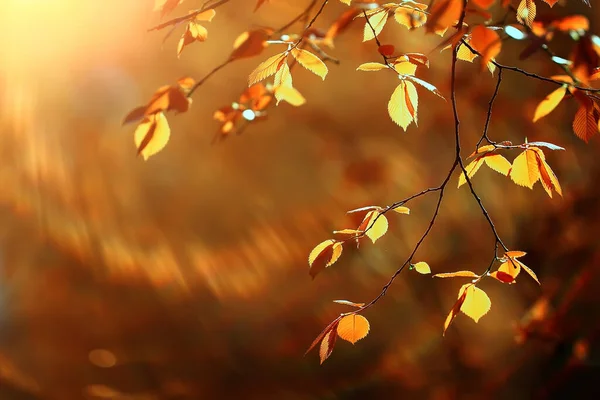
(489,112)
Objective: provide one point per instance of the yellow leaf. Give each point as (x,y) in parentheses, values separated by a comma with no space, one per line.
(497,163)
(376,226)
(465,54)
(267,68)
(422,267)
(402,210)
(327,345)
(353,328)
(524,170)
(484,149)
(405,68)
(511,267)
(550,103)
(152,135)
(526,12)
(530,272)
(371,66)
(289,94)
(471,169)
(346,2)
(462,294)
(311,62)
(377,20)
(457,274)
(412,17)
(207,15)
(323,255)
(476,304)
(400,111)
(348,232)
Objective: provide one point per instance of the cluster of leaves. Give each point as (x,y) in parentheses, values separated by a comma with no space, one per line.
(469,32)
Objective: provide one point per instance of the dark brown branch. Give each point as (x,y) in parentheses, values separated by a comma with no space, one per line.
(489,112)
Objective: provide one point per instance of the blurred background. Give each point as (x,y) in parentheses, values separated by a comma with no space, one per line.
(185,277)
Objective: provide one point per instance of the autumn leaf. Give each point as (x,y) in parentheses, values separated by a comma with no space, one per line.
(549,103)
(311,62)
(166,98)
(353,327)
(375,225)
(267,68)
(571,23)
(476,303)
(329,328)
(371,66)
(422,267)
(524,170)
(386,50)
(403,104)
(526,12)
(585,122)
(194,32)
(323,255)
(471,169)
(290,95)
(152,135)
(547,177)
(346,2)
(375,24)
(411,17)
(486,42)
(443,14)
(250,43)
(401,210)
(349,303)
(462,295)
(457,274)
(327,345)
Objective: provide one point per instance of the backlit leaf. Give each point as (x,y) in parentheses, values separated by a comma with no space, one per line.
(471,169)
(547,145)
(547,177)
(152,135)
(289,94)
(267,68)
(511,267)
(399,110)
(486,42)
(311,62)
(550,103)
(443,14)
(457,274)
(530,272)
(250,44)
(401,210)
(376,23)
(462,295)
(323,255)
(376,225)
(498,163)
(476,304)
(411,17)
(524,170)
(502,277)
(405,68)
(515,254)
(353,327)
(526,12)
(349,303)
(327,345)
(422,267)
(585,123)
(371,66)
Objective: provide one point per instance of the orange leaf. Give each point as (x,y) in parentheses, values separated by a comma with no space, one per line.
(547,178)
(462,295)
(487,43)
(329,328)
(514,254)
(572,23)
(485,4)
(549,103)
(443,14)
(386,50)
(250,44)
(311,62)
(353,327)
(585,123)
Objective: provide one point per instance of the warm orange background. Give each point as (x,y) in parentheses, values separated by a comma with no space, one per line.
(188,272)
